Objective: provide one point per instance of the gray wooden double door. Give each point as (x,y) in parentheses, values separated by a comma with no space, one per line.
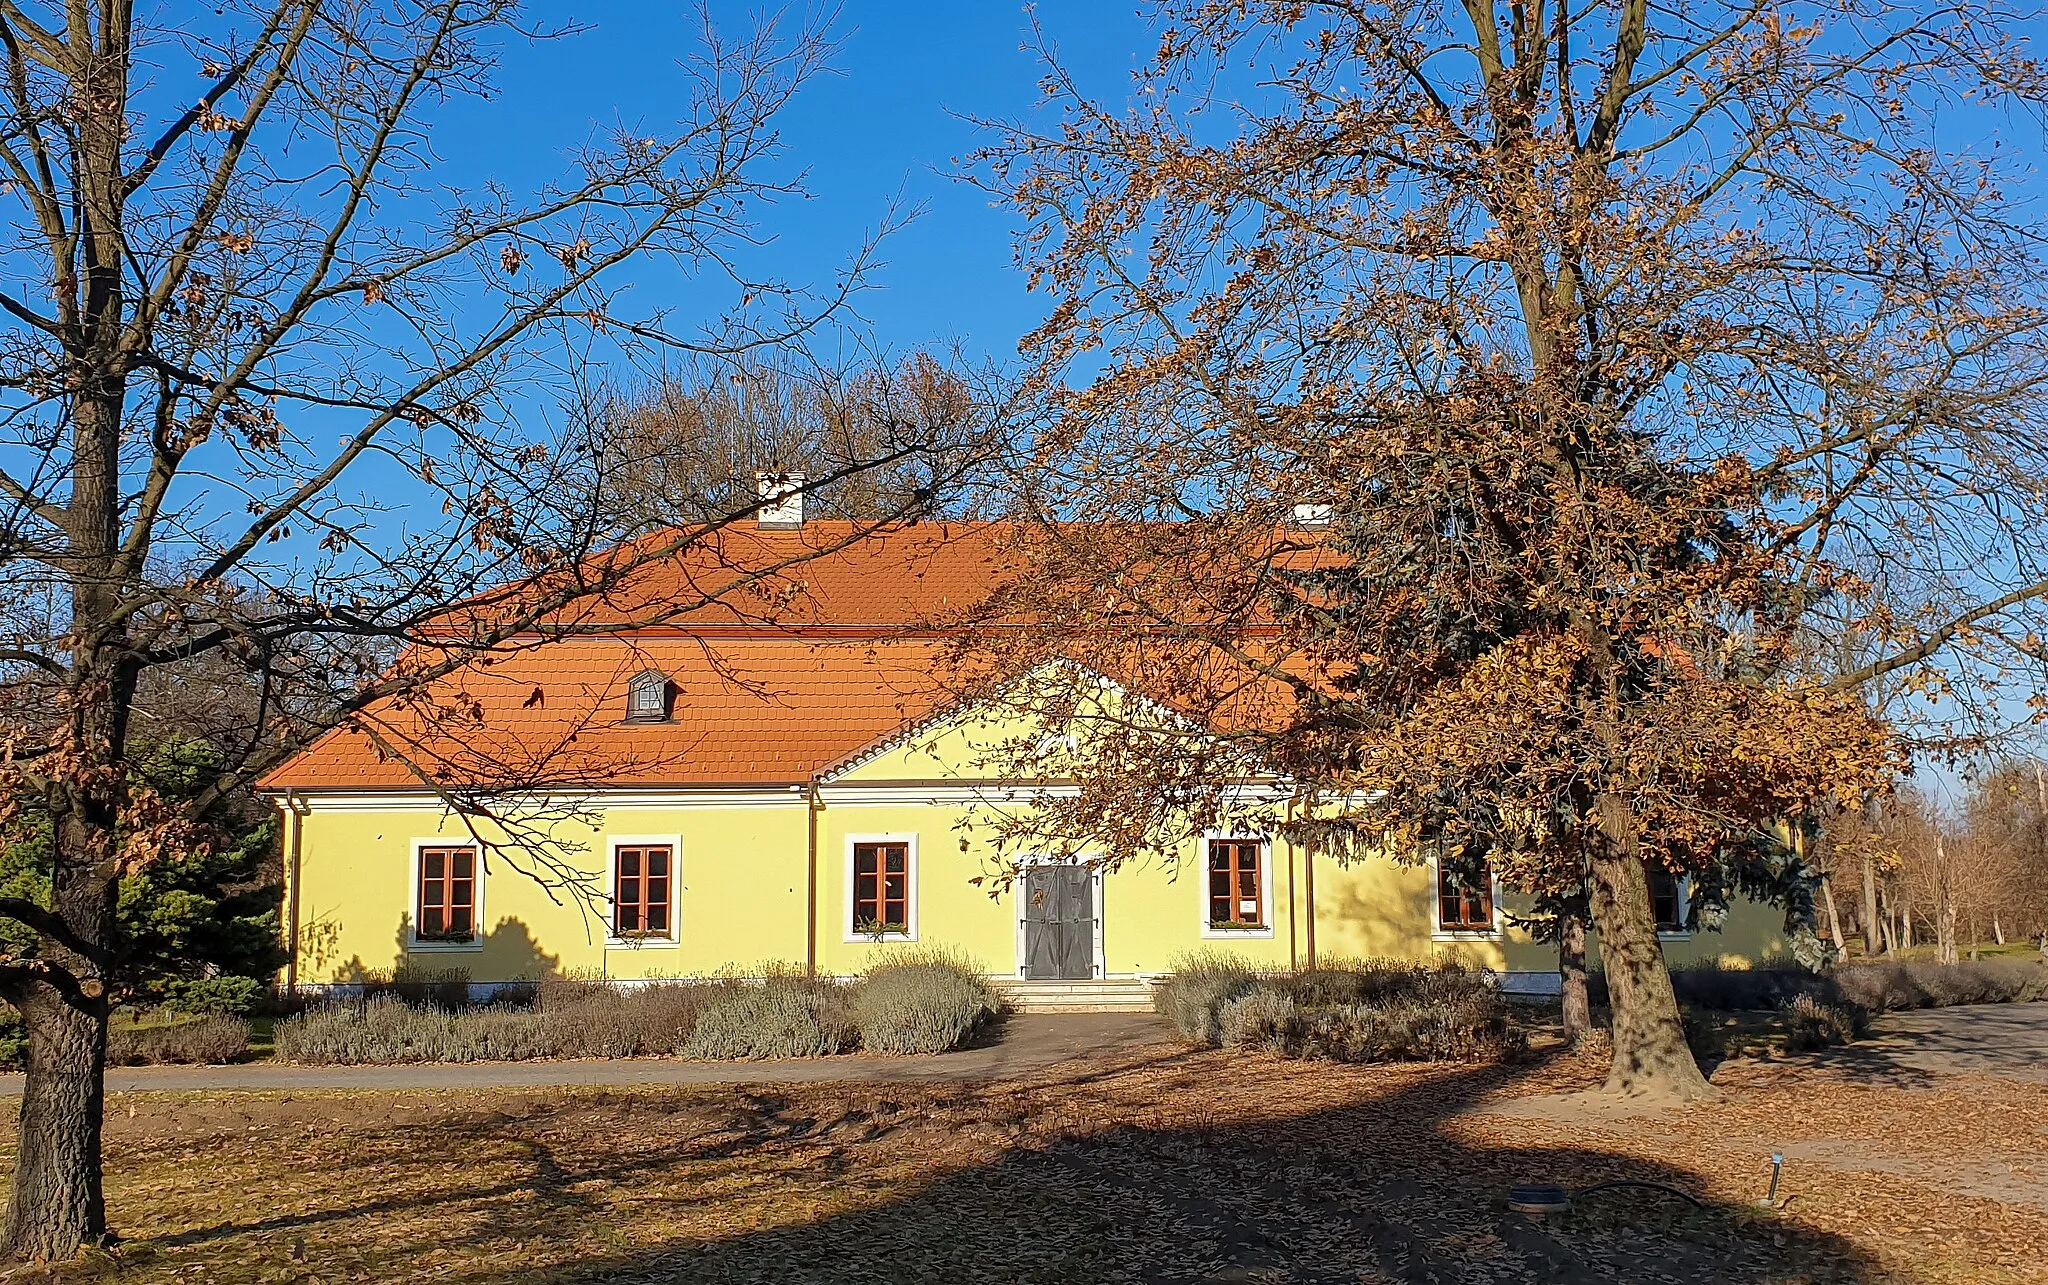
(1059,923)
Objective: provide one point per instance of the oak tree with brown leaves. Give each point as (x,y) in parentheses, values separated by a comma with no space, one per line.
(1481,415)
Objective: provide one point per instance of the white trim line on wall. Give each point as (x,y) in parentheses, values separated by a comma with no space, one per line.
(414,943)
(1437,932)
(1210,933)
(910,889)
(427,801)
(612,844)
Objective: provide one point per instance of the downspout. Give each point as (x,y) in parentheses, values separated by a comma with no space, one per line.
(1308,888)
(811,887)
(1293,916)
(294,825)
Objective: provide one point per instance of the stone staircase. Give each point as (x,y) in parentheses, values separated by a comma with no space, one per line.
(1111,995)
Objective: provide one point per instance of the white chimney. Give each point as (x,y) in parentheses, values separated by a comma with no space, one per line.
(1314,517)
(782,500)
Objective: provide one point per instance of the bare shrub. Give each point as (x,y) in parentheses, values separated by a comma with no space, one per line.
(1882,985)
(1877,985)
(210,1041)
(930,1002)
(562,1017)
(1350,981)
(1364,1011)
(784,1015)
(441,987)
(1201,984)
(1815,1024)
(1264,1017)
(591,1018)
(1471,1025)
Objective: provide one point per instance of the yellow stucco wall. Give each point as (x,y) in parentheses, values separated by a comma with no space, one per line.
(739,897)
(744,888)
(741,893)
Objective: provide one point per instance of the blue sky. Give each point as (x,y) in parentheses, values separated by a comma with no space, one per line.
(885,125)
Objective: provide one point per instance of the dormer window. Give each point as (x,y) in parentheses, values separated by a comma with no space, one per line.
(648,697)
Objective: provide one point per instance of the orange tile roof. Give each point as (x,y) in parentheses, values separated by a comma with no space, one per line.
(791,651)
(827,573)
(747,711)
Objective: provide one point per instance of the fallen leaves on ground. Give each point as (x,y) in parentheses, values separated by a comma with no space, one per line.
(1163,1165)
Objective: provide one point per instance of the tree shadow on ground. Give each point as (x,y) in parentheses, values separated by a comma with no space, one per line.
(1163,1169)
(1387,1190)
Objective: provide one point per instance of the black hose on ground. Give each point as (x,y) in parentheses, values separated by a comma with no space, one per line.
(1653,1186)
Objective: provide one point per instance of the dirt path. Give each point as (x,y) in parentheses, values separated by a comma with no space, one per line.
(1026,1045)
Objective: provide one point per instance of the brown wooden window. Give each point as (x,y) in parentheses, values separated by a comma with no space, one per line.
(1664,901)
(447,909)
(881,887)
(641,890)
(1236,898)
(1464,898)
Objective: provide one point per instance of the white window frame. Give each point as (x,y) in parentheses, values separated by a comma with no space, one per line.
(1209,931)
(1099,967)
(663,688)
(416,944)
(1437,931)
(910,902)
(674,939)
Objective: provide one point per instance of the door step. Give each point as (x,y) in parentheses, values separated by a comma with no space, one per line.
(1113,995)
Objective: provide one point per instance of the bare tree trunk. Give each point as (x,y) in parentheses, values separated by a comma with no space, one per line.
(1873,928)
(57,1204)
(1997,929)
(1575,1005)
(1650,1052)
(1827,895)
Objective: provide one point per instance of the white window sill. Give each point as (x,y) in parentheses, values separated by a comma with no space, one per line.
(1679,934)
(1467,935)
(1226,934)
(878,938)
(641,943)
(433,947)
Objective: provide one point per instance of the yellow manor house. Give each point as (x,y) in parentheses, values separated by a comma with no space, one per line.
(778,776)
